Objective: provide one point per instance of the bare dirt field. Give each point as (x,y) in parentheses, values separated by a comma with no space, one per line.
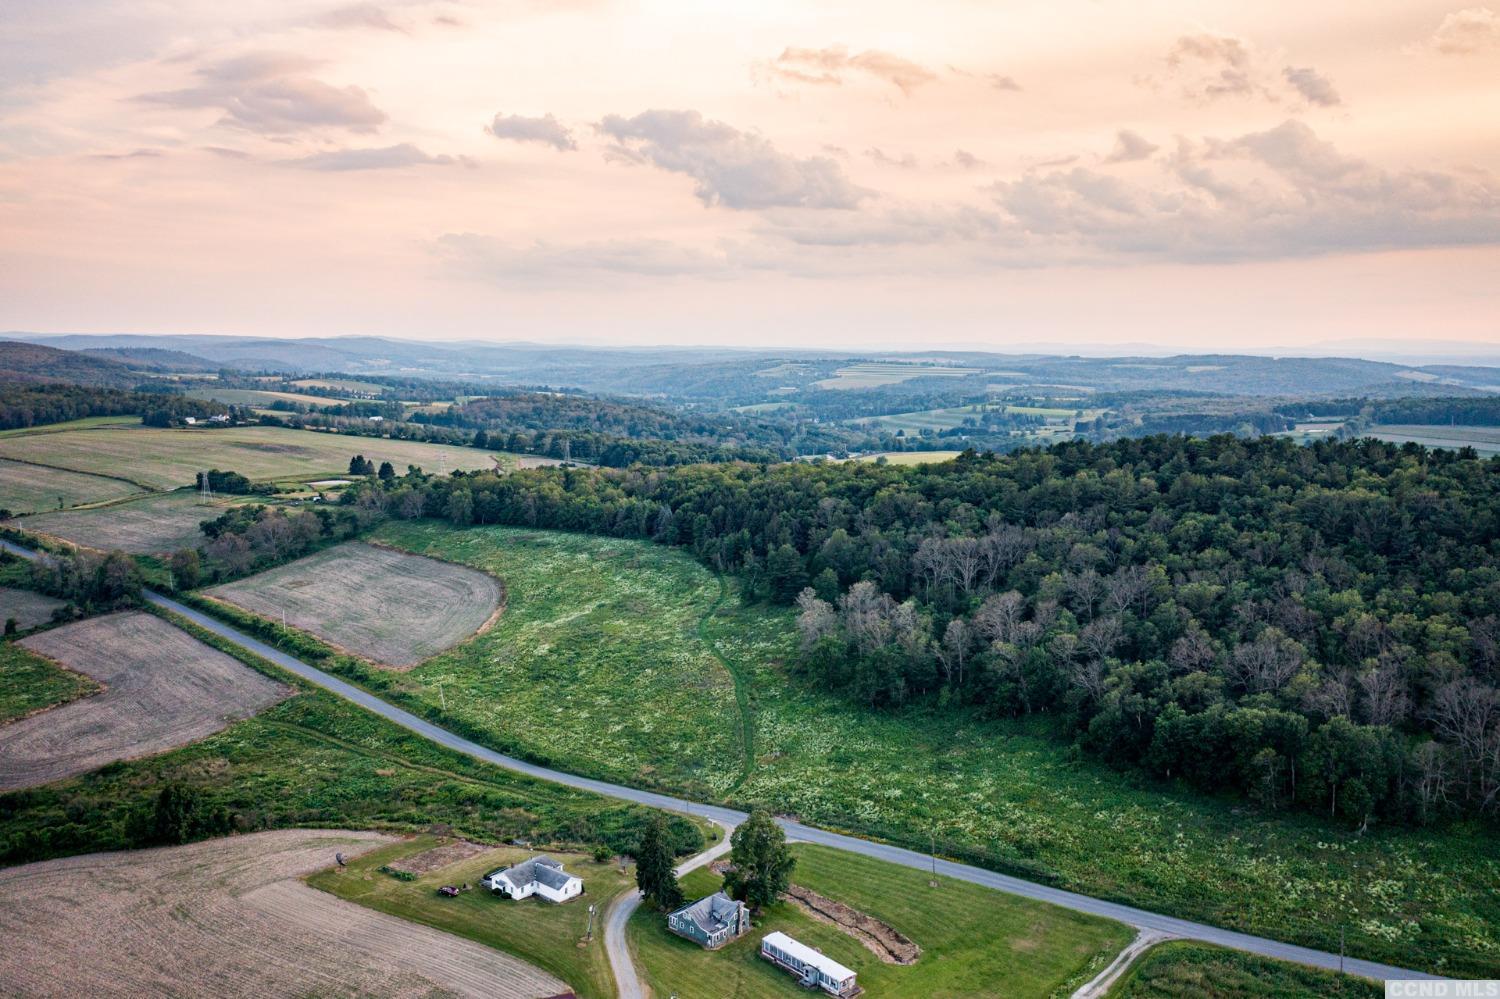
(27,488)
(230,917)
(439,857)
(387,606)
(164,459)
(153,525)
(162,688)
(28,608)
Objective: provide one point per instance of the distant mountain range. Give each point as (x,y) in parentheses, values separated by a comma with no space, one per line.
(716,375)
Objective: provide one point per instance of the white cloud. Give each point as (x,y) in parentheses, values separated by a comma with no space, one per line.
(833,65)
(732,168)
(1467,31)
(376,158)
(1314,87)
(1130,147)
(271,93)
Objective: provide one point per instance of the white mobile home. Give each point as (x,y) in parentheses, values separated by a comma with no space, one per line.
(540,876)
(812,968)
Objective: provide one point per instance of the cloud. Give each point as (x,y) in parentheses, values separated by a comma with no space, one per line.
(1130,147)
(966,160)
(1002,82)
(906,161)
(378,158)
(546,130)
(1212,66)
(834,64)
(360,15)
(1314,87)
(1280,193)
(735,169)
(477,257)
(134,154)
(1467,31)
(271,94)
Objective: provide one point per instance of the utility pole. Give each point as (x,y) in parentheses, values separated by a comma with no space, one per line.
(444,698)
(590,935)
(1341,950)
(933,883)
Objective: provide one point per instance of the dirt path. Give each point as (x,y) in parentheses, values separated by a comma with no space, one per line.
(741,686)
(1099,986)
(230,917)
(162,689)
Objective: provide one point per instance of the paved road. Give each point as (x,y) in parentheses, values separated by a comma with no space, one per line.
(1139,918)
(626,979)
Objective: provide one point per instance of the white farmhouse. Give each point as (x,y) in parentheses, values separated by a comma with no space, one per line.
(540,876)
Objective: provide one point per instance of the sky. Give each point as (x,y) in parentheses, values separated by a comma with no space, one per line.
(943,173)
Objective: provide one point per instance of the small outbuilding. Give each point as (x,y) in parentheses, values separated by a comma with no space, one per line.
(813,968)
(540,876)
(711,922)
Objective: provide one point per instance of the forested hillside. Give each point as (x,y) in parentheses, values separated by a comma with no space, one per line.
(1313,627)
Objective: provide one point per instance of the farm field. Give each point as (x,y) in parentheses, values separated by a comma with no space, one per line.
(30,683)
(339,384)
(261,397)
(1002,793)
(971,938)
(28,488)
(27,607)
(162,688)
(595,640)
(253,928)
(1485,440)
(875,374)
(911,457)
(151,525)
(1182,969)
(86,423)
(540,933)
(383,605)
(947,419)
(164,459)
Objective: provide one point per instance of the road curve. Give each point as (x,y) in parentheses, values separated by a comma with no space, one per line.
(615,945)
(1139,918)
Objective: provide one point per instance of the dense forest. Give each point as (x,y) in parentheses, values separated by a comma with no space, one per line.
(1311,627)
(29,405)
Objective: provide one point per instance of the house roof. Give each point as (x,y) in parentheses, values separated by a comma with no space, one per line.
(802,952)
(543,870)
(712,913)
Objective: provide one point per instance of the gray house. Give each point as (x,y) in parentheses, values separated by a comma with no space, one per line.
(711,922)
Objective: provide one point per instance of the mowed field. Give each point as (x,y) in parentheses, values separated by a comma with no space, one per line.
(260,397)
(26,607)
(167,458)
(28,488)
(974,942)
(162,688)
(151,525)
(230,917)
(386,606)
(1485,440)
(549,936)
(875,374)
(620,659)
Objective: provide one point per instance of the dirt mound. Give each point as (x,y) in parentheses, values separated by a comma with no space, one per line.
(884,941)
(439,856)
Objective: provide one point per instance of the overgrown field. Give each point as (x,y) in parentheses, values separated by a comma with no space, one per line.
(595,665)
(1186,970)
(162,688)
(975,942)
(28,488)
(30,683)
(383,605)
(230,917)
(151,525)
(604,663)
(549,936)
(159,458)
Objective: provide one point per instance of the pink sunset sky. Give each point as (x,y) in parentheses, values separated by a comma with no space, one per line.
(870,174)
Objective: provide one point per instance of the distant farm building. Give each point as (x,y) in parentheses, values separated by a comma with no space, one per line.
(540,876)
(812,968)
(711,922)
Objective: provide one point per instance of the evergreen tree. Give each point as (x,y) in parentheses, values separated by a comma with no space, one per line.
(387,471)
(762,863)
(654,873)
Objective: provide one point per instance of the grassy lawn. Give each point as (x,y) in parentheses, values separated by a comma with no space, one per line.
(26,488)
(547,935)
(971,938)
(604,636)
(1181,969)
(30,683)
